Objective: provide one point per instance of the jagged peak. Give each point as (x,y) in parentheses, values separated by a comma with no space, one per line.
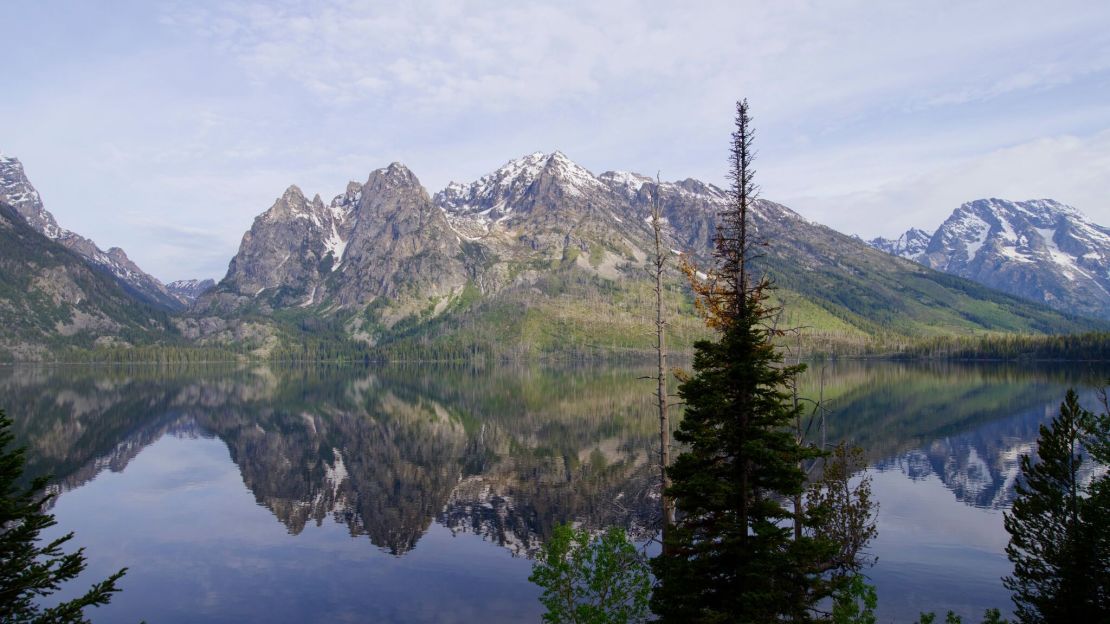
(526,167)
(518,174)
(292,204)
(293,192)
(910,234)
(398,170)
(342,205)
(396,174)
(562,166)
(910,244)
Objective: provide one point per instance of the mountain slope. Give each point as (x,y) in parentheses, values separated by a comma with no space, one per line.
(543,255)
(1040,250)
(50,296)
(16,190)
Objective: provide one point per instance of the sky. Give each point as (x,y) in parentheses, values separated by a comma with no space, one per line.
(166,127)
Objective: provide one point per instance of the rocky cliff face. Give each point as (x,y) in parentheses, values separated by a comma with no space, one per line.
(400,245)
(383,238)
(284,251)
(16,190)
(1040,250)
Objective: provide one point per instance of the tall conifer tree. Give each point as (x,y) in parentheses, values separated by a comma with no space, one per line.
(732,555)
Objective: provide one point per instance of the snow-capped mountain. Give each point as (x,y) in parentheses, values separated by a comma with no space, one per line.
(910,245)
(1041,250)
(17,191)
(189,289)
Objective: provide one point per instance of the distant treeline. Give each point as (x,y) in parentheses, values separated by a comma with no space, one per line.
(151,354)
(1094,346)
(464,347)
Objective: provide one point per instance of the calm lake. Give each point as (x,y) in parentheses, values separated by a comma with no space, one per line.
(416,494)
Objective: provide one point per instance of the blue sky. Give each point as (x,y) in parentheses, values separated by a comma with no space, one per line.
(165,127)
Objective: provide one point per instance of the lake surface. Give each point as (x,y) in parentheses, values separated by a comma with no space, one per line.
(416,494)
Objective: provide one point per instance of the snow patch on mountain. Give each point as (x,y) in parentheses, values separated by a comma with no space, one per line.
(628,182)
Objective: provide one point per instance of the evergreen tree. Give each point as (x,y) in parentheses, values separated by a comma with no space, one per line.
(29,571)
(1057,526)
(732,555)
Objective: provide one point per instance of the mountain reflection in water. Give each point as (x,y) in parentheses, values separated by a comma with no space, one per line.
(398,454)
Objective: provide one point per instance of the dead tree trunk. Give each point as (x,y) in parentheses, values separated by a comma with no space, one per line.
(658,265)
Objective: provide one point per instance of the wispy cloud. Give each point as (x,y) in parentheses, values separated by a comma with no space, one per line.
(198,114)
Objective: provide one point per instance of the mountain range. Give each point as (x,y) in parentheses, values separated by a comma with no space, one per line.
(539,256)
(1040,250)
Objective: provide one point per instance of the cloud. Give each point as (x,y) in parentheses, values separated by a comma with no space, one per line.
(198,114)
(1074,170)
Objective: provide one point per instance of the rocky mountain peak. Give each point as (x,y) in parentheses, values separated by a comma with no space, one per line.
(699,188)
(16,190)
(1039,249)
(396,175)
(1043,210)
(370,240)
(571,178)
(911,244)
(543,181)
(1013,229)
(118,254)
(343,205)
(294,205)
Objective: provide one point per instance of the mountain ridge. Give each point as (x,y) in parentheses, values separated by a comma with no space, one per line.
(16,190)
